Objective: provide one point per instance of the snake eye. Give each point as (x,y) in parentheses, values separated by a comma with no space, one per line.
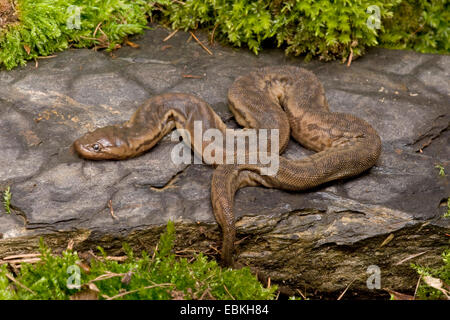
(96,147)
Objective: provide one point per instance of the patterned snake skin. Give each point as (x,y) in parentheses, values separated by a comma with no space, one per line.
(289,99)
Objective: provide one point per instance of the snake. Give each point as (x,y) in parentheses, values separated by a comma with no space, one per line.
(288,99)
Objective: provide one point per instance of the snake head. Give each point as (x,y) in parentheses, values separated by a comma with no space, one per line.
(103,144)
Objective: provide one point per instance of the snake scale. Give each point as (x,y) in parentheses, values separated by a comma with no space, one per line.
(286,98)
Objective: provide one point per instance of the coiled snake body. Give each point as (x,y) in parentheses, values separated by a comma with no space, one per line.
(289,99)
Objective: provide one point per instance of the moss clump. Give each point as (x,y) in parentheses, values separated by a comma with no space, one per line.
(7,200)
(161,276)
(328,29)
(48,26)
(447,214)
(418,25)
(441,277)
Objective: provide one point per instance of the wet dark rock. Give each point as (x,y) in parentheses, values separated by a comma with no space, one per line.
(320,239)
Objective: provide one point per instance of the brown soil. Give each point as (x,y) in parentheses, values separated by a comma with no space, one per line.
(7,13)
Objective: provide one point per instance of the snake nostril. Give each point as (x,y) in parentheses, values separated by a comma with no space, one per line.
(78,147)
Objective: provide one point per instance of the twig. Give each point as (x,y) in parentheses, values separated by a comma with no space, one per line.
(47,57)
(398,295)
(200,43)
(111,210)
(301,293)
(88,38)
(204,294)
(112,258)
(144,288)
(26,255)
(70,244)
(240,240)
(211,41)
(411,257)
(214,248)
(225,287)
(104,34)
(418,29)
(191,76)
(121,258)
(16,261)
(154,252)
(96,28)
(170,35)
(131,44)
(18,283)
(186,250)
(417,286)
(342,294)
(167,46)
(388,239)
(350,58)
(108,275)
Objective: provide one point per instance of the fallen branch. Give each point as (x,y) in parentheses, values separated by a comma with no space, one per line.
(111,210)
(18,261)
(350,58)
(301,293)
(170,35)
(10,277)
(97,27)
(211,41)
(191,76)
(200,43)
(342,294)
(144,288)
(26,255)
(417,286)
(108,275)
(411,257)
(225,287)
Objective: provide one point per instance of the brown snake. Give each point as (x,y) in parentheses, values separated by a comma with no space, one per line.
(289,99)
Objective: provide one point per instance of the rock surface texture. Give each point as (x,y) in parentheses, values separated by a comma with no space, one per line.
(318,241)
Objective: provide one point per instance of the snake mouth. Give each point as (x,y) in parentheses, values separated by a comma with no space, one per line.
(83,151)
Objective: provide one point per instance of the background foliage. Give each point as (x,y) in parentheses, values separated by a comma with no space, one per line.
(327,29)
(324,28)
(419,25)
(43,27)
(442,274)
(160,276)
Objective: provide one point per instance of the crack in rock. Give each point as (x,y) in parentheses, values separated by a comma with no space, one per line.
(170,183)
(438,126)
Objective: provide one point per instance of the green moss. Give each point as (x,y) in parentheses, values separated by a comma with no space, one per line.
(161,276)
(447,214)
(443,273)
(419,25)
(48,26)
(441,170)
(328,29)
(7,200)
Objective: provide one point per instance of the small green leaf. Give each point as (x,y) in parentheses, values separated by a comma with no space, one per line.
(7,200)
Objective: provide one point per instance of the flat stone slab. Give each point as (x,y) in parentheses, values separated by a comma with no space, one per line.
(320,240)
